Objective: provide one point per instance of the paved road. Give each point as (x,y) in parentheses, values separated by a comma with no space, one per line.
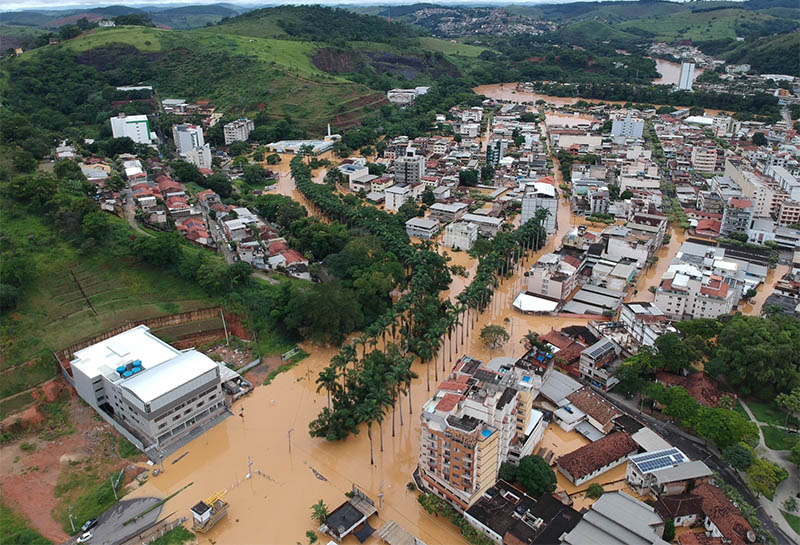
(110,529)
(696,449)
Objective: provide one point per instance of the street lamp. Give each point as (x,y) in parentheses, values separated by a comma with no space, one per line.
(289,435)
(70,519)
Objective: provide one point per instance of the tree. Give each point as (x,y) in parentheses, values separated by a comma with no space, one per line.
(790,402)
(494,336)
(680,405)
(794,454)
(594,491)
(319,512)
(487,173)
(239,148)
(724,427)
(738,456)
(508,472)
(428,197)
(367,411)
(759,139)
(273,159)
(673,354)
(95,225)
(254,175)
(468,177)
(669,530)
(312,537)
(535,476)
(765,476)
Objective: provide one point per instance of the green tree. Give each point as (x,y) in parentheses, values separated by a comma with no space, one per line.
(794,454)
(273,159)
(594,491)
(669,530)
(738,456)
(508,472)
(790,402)
(487,173)
(673,354)
(494,336)
(312,537)
(468,177)
(96,225)
(254,175)
(759,139)
(724,427)
(535,476)
(428,197)
(765,476)
(319,512)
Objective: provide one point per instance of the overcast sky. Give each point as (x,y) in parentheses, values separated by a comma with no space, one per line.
(17,5)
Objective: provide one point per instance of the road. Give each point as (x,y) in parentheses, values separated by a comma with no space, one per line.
(696,449)
(111,528)
(129,208)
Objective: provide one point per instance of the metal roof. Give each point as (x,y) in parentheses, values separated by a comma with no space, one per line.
(152,383)
(558,386)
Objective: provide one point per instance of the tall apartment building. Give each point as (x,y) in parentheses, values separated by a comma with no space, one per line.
(627,127)
(154,394)
(737,217)
(460,235)
(687,76)
(409,168)
(199,157)
(237,131)
(135,127)
(541,195)
(684,293)
(704,158)
(187,137)
(479,417)
(496,151)
(552,277)
(396,196)
(765,194)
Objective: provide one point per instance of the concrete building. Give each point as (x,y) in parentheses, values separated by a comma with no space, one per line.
(409,168)
(685,292)
(396,196)
(627,127)
(488,226)
(199,157)
(187,137)
(617,519)
(737,217)
(593,459)
(704,158)
(541,195)
(135,127)
(460,235)
(154,394)
(597,364)
(422,228)
(496,151)
(237,131)
(687,76)
(479,417)
(644,321)
(447,212)
(553,277)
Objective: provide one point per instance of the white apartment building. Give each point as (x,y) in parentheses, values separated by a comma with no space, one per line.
(135,127)
(396,196)
(704,158)
(154,394)
(644,321)
(474,114)
(627,127)
(199,157)
(541,195)
(460,235)
(685,292)
(422,228)
(552,277)
(238,131)
(470,130)
(687,76)
(187,137)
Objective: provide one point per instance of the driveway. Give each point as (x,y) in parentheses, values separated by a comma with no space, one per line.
(110,529)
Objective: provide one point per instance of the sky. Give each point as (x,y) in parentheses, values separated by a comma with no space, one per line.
(17,5)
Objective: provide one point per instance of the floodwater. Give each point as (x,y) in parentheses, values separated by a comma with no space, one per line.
(568,120)
(755,305)
(274,505)
(671,72)
(652,275)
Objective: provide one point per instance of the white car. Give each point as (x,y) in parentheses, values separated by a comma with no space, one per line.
(84,537)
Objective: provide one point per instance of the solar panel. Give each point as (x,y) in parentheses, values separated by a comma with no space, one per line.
(654,461)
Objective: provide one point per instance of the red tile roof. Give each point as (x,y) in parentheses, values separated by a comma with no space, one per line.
(709,226)
(741,203)
(277,247)
(715,288)
(556,339)
(454,386)
(589,458)
(594,405)
(448,402)
(723,514)
(679,505)
(293,256)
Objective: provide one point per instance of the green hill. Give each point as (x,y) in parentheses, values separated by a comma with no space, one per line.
(775,55)
(192,16)
(589,31)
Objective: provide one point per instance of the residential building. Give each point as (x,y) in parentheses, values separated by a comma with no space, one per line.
(199,157)
(460,235)
(737,217)
(665,472)
(617,519)
(422,228)
(409,168)
(685,292)
(704,158)
(596,458)
(721,519)
(506,515)
(496,151)
(479,417)
(447,212)
(586,407)
(135,127)
(396,196)
(627,127)
(553,276)
(541,195)
(187,137)
(237,131)
(597,364)
(488,226)
(687,76)
(644,321)
(154,394)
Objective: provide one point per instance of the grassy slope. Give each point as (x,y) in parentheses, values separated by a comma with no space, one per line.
(142,38)
(450,48)
(593,31)
(779,48)
(53,314)
(15,530)
(711,25)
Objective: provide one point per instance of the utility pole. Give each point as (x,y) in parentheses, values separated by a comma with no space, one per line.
(380,496)
(289,435)
(70,519)
(249,468)
(113,489)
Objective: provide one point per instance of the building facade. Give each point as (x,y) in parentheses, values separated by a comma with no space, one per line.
(237,131)
(541,195)
(460,235)
(409,168)
(135,127)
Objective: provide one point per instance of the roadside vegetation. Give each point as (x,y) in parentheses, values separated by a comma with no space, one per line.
(15,530)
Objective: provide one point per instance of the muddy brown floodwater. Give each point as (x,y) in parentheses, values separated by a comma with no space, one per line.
(671,72)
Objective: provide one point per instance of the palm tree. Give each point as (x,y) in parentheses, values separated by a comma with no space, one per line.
(319,512)
(530,339)
(383,399)
(327,379)
(392,382)
(367,411)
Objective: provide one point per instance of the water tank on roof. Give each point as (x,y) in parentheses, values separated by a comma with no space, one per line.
(121,369)
(137,363)
(126,374)
(136,369)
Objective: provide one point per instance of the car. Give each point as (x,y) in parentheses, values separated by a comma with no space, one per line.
(88,525)
(84,537)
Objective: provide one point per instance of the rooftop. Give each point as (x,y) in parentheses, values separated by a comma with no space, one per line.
(594,405)
(151,384)
(589,458)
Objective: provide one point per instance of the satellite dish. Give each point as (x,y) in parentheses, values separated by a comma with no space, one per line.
(751,536)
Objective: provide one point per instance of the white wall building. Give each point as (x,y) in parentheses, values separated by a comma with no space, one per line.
(237,131)
(627,127)
(135,127)
(396,196)
(687,76)
(187,137)
(460,235)
(541,195)
(409,168)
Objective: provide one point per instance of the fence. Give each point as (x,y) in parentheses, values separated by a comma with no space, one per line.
(156,531)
